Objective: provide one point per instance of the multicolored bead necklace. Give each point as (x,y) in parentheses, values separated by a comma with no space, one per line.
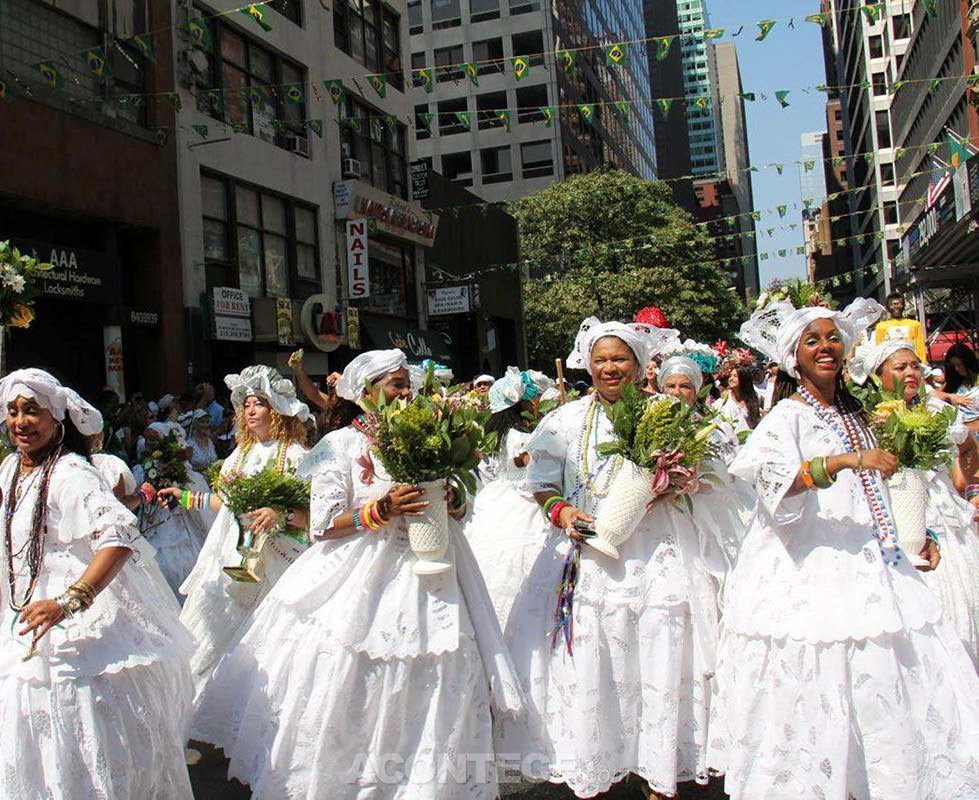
(855,436)
(588,479)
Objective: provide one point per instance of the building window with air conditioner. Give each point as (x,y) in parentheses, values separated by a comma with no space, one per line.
(372,147)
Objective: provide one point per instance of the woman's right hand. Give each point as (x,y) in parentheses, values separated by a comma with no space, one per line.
(403,500)
(885,463)
(173,492)
(566,521)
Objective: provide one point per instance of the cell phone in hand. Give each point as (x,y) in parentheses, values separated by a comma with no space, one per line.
(584,528)
(170,501)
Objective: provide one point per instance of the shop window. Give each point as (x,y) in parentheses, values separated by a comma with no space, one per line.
(496,164)
(529,102)
(483,10)
(487,106)
(448,61)
(448,121)
(488,54)
(529,43)
(367,136)
(536,159)
(446,14)
(367,31)
(458,167)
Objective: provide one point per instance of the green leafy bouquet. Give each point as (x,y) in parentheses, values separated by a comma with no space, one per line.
(267,488)
(800,293)
(163,463)
(431,438)
(18,285)
(665,436)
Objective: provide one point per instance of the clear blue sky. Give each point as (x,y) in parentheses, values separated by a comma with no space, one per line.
(788,59)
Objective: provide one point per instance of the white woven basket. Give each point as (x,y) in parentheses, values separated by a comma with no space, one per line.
(428,534)
(622,509)
(908,493)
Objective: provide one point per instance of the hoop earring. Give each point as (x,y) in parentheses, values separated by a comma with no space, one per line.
(61,438)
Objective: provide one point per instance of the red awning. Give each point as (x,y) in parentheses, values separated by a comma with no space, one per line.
(943,341)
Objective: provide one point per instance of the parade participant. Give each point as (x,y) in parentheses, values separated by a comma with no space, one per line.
(649,381)
(950,517)
(739,404)
(356,677)
(95,687)
(202,451)
(897,327)
(962,383)
(270,429)
(620,690)
(837,676)
(506,530)
(483,383)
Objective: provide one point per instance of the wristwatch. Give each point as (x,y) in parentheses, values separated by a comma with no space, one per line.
(71,604)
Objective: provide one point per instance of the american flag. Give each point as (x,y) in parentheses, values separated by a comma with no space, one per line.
(941,175)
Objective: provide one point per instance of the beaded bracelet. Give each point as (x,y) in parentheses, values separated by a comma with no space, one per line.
(146,493)
(972,490)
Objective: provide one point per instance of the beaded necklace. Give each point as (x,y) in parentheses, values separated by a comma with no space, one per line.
(586,479)
(855,436)
(280,457)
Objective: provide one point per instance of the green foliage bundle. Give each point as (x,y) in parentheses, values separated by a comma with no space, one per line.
(800,293)
(163,462)
(18,285)
(267,488)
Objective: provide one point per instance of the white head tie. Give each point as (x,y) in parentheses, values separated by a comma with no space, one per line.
(484,379)
(869,357)
(777,329)
(366,367)
(645,341)
(516,386)
(164,429)
(267,383)
(680,365)
(50,394)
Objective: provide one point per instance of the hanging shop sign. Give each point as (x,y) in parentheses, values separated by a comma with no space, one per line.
(83,275)
(358,264)
(232,314)
(381,333)
(392,216)
(449,300)
(418,177)
(322,321)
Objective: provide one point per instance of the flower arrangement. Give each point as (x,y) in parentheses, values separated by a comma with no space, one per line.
(799,293)
(665,436)
(267,488)
(163,463)
(431,438)
(18,285)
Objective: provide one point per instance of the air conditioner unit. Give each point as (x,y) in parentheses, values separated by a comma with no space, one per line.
(350,167)
(299,144)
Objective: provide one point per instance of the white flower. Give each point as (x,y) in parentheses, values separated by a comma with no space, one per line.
(13,281)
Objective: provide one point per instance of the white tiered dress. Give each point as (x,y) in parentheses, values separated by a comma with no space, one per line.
(837,675)
(102,709)
(634,697)
(357,678)
(216,605)
(507,530)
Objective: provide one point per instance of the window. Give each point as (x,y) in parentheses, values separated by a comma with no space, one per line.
(890,213)
(883,129)
(876,46)
(448,121)
(367,31)
(530,43)
(886,173)
(415,24)
(417,60)
(290,9)
(445,14)
(392,279)
(447,63)
(496,164)
(482,10)
(523,6)
(488,54)
(530,99)
(243,73)
(902,26)
(879,83)
(487,105)
(458,167)
(536,159)
(367,135)
(260,241)
(421,130)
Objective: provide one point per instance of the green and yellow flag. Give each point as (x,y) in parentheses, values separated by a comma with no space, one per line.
(663,46)
(294,93)
(472,70)
(819,19)
(521,67)
(425,118)
(567,59)
(380,83)
(315,125)
(423,78)
(503,115)
(173,99)
(616,54)
(200,34)
(872,11)
(201,130)
(547,112)
(336,90)
(465,119)
(255,94)
(49,73)
(764,28)
(749,96)
(781,210)
(780,95)
(252,10)
(665,104)
(215,100)
(144,43)
(587,111)
(713,33)
(96,62)
(701,102)
(779,168)
(623,106)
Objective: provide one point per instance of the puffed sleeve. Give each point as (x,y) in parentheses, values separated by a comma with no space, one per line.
(548,449)
(330,467)
(770,460)
(82,507)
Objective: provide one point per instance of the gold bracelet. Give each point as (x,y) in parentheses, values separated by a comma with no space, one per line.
(859,460)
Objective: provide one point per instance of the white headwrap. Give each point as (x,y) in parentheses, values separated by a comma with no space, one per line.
(869,357)
(267,383)
(165,402)
(50,394)
(368,366)
(515,386)
(163,429)
(645,341)
(777,329)
(484,379)
(680,365)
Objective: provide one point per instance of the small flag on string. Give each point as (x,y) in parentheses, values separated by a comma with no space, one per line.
(95,60)
(521,67)
(215,101)
(391,122)
(547,112)
(764,28)
(336,90)
(749,96)
(663,46)
(615,54)
(935,83)
(239,127)
(896,86)
(379,82)
(252,10)
(587,111)
(931,9)
(173,99)
(872,11)
(782,253)
(780,95)
(503,115)
(756,216)
(293,93)
(819,19)
(425,118)
(808,165)
(472,70)
(800,250)
(201,130)
(135,100)
(779,168)
(770,232)
(465,119)
(713,33)
(763,256)
(200,34)
(665,104)
(49,73)
(353,123)
(781,210)
(162,135)
(622,106)
(869,159)
(567,59)
(143,42)
(424,79)
(315,125)
(255,95)
(701,102)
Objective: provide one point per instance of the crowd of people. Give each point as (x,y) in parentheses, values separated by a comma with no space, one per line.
(766,626)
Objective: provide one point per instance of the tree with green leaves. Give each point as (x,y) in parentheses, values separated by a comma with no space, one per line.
(608,243)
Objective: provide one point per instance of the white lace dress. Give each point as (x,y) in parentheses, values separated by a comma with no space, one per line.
(634,697)
(102,709)
(837,676)
(506,530)
(357,678)
(956,581)
(216,605)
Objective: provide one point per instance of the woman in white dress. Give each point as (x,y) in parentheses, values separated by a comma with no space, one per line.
(617,686)
(506,530)
(837,675)
(95,689)
(357,678)
(270,429)
(949,516)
